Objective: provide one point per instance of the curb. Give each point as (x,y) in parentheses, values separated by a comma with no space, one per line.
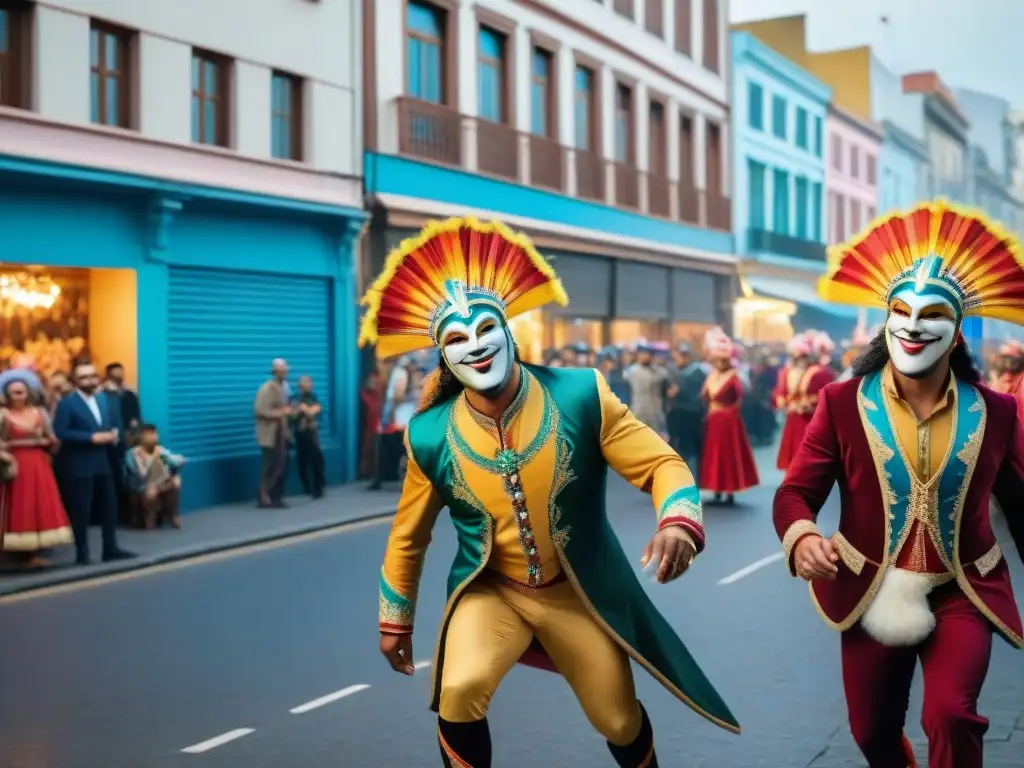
(72,576)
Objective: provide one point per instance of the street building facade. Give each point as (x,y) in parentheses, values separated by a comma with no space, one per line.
(182,196)
(854,145)
(780,116)
(601,130)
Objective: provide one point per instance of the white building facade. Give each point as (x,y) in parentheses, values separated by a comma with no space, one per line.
(176,167)
(601,128)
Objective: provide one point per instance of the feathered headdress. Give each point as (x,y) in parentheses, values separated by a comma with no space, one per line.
(937,248)
(822,343)
(717,344)
(445,271)
(799,345)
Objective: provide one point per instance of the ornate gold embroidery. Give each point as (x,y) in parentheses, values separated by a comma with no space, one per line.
(988,562)
(561,477)
(849,554)
(793,534)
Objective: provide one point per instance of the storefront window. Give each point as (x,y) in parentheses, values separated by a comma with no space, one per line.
(573,330)
(528,331)
(47,322)
(626,332)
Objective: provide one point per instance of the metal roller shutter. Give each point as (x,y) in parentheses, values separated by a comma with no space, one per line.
(695,296)
(641,291)
(587,280)
(224,329)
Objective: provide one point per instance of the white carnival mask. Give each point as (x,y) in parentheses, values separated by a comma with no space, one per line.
(920,329)
(479,350)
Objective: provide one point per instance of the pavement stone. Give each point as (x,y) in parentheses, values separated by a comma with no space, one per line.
(215,529)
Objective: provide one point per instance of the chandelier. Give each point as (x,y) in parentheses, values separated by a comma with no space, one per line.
(29,291)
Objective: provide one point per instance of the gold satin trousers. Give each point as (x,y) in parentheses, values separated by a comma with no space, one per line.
(494,623)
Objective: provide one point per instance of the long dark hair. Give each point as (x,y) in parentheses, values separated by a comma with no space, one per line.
(877,355)
(442,385)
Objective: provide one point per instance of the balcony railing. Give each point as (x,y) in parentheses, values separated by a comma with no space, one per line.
(784,245)
(429,131)
(589,176)
(689,203)
(658,203)
(627,186)
(438,134)
(546,163)
(497,148)
(719,212)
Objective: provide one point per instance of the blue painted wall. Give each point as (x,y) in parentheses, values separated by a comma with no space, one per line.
(74,217)
(388,174)
(757,69)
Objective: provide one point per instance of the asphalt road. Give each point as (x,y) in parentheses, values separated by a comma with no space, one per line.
(128,674)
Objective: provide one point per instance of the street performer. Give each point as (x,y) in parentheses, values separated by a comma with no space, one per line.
(917,446)
(519,455)
(1009,378)
(789,397)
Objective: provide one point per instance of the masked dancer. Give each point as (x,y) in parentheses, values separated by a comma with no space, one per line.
(917,446)
(1010,377)
(519,455)
(789,397)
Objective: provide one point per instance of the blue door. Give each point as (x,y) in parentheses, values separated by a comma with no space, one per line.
(224,330)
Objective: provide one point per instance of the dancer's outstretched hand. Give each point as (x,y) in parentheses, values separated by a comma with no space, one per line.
(671,551)
(397,649)
(815,558)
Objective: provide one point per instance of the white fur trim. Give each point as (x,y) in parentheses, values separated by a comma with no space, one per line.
(900,614)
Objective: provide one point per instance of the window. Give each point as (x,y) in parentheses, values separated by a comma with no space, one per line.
(755,106)
(623,124)
(542,95)
(801,128)
(657,144)
(654,17)
(854,162)
(14,37)
(816,219)
(490,79)
(209,99)
(755,196)
(838,218)
(109,74)
(684,27)
(872,168)
(779,116)
(424,52)
(802,207)
(625,8)
(710,17)
(819,138)
(780,202)
(686,151)
(854,217)
(870,215)
(583,109)
(837,153)
(285,117)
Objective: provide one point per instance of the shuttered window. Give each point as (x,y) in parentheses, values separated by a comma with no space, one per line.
(224,329)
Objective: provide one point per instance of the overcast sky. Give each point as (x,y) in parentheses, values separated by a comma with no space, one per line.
(977,44)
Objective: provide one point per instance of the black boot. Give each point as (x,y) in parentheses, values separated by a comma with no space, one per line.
(464,745)
(639,754)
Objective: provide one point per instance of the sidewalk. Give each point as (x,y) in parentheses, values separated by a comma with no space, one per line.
(212,530)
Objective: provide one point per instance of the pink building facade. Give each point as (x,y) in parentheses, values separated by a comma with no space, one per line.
(851,173)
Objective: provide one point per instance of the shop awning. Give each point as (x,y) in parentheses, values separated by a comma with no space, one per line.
(799,293)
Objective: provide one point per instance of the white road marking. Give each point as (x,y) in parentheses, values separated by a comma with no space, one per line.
(742,573)
(216,741)
(421,664)
(309,706)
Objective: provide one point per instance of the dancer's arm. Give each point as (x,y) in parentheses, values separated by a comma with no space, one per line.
(1009,486)
(808,482)
(636,452)
(418,509)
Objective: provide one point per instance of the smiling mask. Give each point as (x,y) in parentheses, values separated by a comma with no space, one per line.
(930,269)
(479,350)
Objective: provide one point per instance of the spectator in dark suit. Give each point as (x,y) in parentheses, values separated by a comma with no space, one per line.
(83,425)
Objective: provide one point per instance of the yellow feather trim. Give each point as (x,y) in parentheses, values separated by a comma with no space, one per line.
(396,344)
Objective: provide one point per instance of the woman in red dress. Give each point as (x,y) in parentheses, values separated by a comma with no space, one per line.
(33,517)
(727,462)
(789,399)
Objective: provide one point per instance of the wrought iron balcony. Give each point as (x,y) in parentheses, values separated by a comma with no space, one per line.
(627,186)
(718,211)
(689,203)
(547,163)
(429,131)
(763,241)
(497,148)
(658,202)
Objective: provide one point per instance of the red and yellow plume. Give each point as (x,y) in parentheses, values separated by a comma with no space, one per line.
(453,264)
(934,248)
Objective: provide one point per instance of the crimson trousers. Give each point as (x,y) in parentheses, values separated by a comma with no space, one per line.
(954,661)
